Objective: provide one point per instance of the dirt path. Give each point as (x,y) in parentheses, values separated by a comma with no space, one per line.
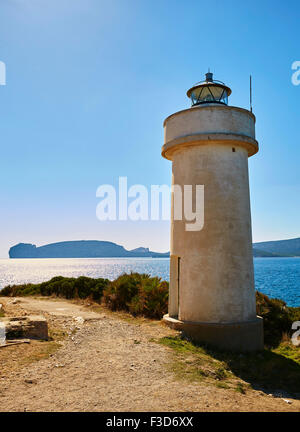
(58,308)
(113,365)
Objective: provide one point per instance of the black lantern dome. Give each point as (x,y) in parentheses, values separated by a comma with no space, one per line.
(209,91)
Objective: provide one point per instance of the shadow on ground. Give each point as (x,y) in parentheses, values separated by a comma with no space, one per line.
(274,371)
(268,371)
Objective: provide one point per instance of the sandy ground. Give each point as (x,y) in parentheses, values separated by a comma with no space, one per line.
(109,364)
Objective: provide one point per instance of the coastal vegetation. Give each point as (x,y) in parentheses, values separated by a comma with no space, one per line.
(278,318)
(141,294)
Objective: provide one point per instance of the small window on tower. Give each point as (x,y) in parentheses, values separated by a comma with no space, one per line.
(233,149)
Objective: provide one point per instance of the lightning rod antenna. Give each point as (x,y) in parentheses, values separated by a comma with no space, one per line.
(250,93)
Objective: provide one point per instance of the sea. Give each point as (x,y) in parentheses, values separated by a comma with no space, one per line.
(276,277)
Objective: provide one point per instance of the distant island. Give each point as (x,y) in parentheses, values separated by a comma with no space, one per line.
(105,249)
(81,249)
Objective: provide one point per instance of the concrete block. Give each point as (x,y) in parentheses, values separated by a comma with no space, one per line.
(31,327)
(240,336)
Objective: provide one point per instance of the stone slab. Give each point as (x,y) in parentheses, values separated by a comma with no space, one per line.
(31,327)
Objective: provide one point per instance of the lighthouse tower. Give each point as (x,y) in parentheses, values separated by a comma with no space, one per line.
(212,295)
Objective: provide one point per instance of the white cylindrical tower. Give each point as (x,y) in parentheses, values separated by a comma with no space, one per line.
(212,295)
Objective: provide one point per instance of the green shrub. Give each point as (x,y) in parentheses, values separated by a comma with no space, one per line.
(67,289)
(152,298)
(278,318)
(60,286)
(139,294)
(18,290)
(120,292)
(98,288)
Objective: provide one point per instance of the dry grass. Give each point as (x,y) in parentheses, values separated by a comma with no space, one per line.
(16,357)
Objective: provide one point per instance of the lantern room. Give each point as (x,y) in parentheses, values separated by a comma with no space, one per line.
(209,91)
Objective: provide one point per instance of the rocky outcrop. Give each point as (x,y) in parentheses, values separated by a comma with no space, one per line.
(25,250)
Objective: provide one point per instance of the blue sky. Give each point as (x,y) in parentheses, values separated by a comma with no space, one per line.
(89,83)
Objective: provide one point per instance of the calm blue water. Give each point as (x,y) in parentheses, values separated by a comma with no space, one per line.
(276,277)
(279,277)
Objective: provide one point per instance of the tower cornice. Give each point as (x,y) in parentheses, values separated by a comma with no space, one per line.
(210,106)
